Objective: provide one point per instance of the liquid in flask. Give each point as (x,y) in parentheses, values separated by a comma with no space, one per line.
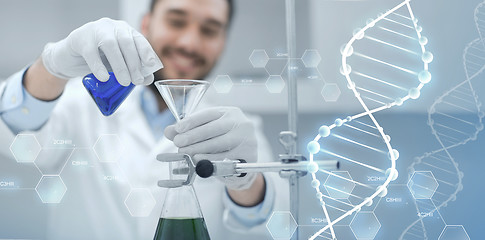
(108,95)
(181,216)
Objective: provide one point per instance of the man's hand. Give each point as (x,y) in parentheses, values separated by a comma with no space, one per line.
(129,54)
(218,133)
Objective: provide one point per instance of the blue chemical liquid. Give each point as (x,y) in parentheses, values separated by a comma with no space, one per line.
(107,95)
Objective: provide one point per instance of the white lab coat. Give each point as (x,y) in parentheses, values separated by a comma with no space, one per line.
(93,207)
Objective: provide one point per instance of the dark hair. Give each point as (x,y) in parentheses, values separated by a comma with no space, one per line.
(230,3)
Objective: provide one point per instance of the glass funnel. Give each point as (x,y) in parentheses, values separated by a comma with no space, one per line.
(181,95)
(181,217)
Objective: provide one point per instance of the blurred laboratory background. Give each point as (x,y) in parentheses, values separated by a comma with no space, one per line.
(322,26)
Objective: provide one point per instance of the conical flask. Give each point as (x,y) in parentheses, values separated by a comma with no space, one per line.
(108,95)
(181,216)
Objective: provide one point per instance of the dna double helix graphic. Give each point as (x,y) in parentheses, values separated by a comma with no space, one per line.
(455,118)
(385,64)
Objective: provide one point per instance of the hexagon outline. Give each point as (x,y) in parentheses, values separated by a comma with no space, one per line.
(97,140)
(350,225)
(281,212)
(307,51)
(434,190)
(24,134)
(266,58)
(58,176)
(273,77)
(350,176)
(72,152)
(326,85)
(224,91)
(65,162)
(443,231)
(149,193)
(123,175)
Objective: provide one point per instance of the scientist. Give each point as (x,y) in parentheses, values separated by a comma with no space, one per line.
(47,99)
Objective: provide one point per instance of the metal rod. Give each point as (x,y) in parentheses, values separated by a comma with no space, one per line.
(292,81)
(292,109)
(276,166)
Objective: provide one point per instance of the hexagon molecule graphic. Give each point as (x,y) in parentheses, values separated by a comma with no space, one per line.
(422,184)
(44,160)
(51,189)
(223,84)
(259,58)
(275,84)
(454,232)
(25,148)
(365,225)
(108,148)
(281,225)
(311,58)
(330,92)
(140,202)
(337,187)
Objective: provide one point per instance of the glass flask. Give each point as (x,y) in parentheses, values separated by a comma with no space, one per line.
(181,216)
(108,95)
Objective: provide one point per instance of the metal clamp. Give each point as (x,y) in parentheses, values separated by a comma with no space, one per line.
(292,158)
(287,139)
(177,157)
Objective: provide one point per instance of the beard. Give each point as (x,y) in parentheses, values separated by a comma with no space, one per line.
(158,75)
(167,52)
(201,66)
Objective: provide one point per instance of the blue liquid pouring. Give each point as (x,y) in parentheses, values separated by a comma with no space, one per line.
(107,95)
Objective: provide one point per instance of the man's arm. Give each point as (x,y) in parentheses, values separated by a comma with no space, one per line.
(76,55)
(252,196)
(20,111)
(41,84)
(218,133)
(130,56)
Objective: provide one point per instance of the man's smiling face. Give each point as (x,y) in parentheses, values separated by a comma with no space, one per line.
(187,35)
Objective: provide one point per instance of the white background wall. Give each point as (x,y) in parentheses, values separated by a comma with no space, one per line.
(27,25)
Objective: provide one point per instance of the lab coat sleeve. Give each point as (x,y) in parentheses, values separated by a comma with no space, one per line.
(248,217)
(254,219)
(21,111)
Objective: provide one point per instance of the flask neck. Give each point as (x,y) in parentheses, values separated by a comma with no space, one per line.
(181,203)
